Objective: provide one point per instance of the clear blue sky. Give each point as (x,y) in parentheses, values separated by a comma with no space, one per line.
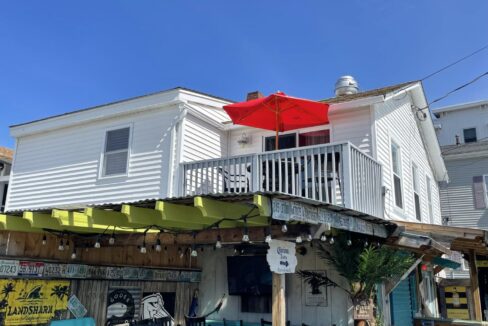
(58,56)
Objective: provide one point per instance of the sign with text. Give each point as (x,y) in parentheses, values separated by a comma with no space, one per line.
(76,307)
(282,257)
(32,302)
(15,268)
(285,210)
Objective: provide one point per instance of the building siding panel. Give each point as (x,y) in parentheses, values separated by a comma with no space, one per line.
(396,121)
(60,168)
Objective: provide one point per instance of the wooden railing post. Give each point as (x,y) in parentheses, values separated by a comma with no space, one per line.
(475,289)
(255,173)
(347,177)
(279,300)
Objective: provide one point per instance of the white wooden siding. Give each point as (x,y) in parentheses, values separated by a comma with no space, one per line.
(202,141)
(60,168)
(353,126)
(394,120)
(214,284)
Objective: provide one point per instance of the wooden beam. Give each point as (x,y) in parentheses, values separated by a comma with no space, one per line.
(219,209)
(16,223)
(475,289)
(279,301)
(147,217)
(263,203)
(42,221)
(182,213)
(108,217)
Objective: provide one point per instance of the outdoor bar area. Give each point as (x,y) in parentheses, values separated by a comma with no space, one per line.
(247,259)
(239,264)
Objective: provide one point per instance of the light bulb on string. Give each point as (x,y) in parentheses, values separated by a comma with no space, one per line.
(309,237)
(218,244)
(323,237)
(67,245)
(349,242)
(267,237)
(298,239)
(111,240)
(245,236)
(180,253)
(284,228)
(366,243)
(44,240)
(61,245)
(158,245)
(194,252)
(332,240)
(143,247)
(97,243)
(73,254)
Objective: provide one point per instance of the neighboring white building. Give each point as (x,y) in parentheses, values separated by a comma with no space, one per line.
(463,133)
(5,167)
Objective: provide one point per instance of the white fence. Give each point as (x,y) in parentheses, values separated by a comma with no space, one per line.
(338,174)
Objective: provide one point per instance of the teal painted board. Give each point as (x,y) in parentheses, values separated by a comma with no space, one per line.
(401,305)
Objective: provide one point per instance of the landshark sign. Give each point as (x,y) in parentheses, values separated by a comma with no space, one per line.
(281,257)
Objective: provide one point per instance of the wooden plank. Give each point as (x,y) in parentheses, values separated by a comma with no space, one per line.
(279,301)
(473,275)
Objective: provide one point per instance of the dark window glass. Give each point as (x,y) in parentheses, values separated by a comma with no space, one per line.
(4,197)
(398,191)
(284,142)
(417,207)
(470,135)
(314,138)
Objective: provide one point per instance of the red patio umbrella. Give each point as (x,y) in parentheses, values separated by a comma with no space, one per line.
(278,112)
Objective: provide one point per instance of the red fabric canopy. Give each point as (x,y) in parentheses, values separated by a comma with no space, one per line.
(278,112)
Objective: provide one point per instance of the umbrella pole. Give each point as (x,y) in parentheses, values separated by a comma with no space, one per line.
(277,126)
(276,140)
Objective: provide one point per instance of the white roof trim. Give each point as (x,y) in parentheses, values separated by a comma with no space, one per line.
(456,107)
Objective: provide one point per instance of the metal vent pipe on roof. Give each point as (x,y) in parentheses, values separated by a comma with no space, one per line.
(346,85)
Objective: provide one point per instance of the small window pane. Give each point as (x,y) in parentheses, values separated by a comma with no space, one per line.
(486,187)
(470,135)
(415,178)
(115,163)
(417,207)
(284,142)
(314,138)
(395,158)
(398,191)
(117,140)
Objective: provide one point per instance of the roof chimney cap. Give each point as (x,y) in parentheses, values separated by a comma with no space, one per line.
(346,85)
(254,95)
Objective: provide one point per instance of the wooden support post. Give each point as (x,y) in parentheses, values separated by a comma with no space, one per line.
(475,289)
(279,301)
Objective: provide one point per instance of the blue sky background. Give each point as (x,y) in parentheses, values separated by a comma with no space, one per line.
(58,56)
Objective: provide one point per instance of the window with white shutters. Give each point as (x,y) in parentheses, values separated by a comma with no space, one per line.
(116,152)
(480,189)
(430,206)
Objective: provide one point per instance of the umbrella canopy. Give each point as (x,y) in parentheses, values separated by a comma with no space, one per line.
(278,112)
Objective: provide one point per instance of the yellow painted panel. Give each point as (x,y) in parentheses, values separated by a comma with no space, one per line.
(455,289)
(457,300)
(458,313)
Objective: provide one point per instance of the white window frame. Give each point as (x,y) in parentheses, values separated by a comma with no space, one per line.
(430,205)
(101,174)
(400,175)
(416,190)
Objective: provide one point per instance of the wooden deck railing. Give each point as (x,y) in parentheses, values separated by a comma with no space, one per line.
(338,174)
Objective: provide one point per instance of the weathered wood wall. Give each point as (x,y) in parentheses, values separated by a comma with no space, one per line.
(214,284)
(29,245)
(93,295)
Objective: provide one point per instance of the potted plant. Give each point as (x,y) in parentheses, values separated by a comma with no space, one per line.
(364,267)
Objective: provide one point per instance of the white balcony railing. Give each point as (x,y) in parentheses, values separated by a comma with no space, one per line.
(338,174)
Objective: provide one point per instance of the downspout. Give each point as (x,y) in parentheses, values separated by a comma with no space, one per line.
(173,186)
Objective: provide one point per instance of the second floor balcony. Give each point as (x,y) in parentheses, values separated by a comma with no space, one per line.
(339,174)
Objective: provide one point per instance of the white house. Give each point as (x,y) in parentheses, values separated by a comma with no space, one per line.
(6,155)
(378,157)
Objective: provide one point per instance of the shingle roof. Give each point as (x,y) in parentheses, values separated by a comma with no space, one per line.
(6,153)
(374,92)
(124,100)
(477,147)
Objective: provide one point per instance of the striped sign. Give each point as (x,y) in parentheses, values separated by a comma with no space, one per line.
(456,302)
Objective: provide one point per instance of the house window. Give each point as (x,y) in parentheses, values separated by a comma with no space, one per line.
(469,135)
(485,177)
(429,199)
(284,142)
(397,174)
(314,138)
(416,191)
(116,152)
